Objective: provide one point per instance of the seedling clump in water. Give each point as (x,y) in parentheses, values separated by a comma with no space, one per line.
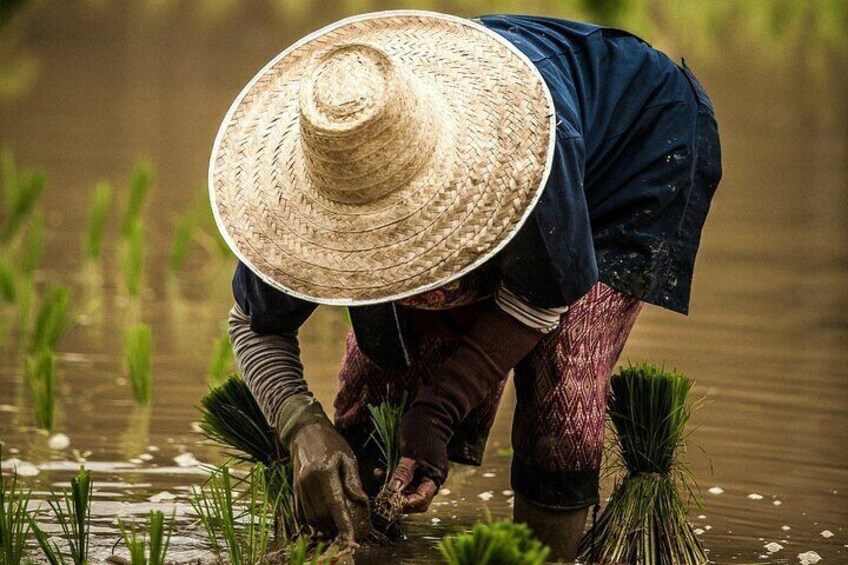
(645,521)
(73,514)
(14,521)
(150,548)
(237,522)
(40,376)
(137,348)
(97,219)
(497,543)
(52,320)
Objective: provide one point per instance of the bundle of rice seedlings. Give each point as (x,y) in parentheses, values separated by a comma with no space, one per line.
(40,376)
(97,218)
(231,417)
(497,543)
(14,522)
(645,521)
(141,180)
(386,418)
(236,514)
(149,548)
(137,349)
(73,514)
(132,258)
(52,319)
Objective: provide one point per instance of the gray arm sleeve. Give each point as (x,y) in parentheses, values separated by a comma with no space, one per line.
(269,364)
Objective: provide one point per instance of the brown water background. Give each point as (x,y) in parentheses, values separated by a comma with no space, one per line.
(86,88)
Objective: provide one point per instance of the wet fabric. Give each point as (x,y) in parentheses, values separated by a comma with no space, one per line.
(636,163)
(561,388)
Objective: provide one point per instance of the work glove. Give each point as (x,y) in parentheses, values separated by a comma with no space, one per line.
(328,493)
(493,346)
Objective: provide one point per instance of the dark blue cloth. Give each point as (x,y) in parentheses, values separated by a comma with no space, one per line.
(637,160)
(636,164)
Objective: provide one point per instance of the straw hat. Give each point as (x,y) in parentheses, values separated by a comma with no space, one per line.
(382,156)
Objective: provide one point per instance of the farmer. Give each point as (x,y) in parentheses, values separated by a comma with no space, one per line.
(490,195)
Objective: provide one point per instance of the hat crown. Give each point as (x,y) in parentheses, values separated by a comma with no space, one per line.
(366,125)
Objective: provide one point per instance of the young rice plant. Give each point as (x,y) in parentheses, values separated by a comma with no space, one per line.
(141,180)
(386,418)
(137,349)
(40,375)
(97,219)
(73,514)
(14,523)
(236,514)
(149,548)
(52,319)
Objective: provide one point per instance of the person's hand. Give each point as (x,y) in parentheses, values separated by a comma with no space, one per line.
(417,488)
(328,493)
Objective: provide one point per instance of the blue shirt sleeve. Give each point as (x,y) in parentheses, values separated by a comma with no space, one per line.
(271,311)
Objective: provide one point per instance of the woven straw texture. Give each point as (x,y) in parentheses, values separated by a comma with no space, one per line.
(382,156)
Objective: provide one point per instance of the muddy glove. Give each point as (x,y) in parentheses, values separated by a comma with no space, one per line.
(327,490)
(486,353)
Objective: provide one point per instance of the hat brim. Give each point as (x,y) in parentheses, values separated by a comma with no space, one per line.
(489,167)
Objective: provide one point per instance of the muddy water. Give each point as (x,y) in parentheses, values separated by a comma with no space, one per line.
(765,339)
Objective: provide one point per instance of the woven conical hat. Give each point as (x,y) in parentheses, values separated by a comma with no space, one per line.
(382,156)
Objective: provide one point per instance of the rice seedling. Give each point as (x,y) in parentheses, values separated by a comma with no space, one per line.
(496,543)
(222,361)
(183,238)
(20,193)
(645,521)
(52,319)
(97,218)
(140,183)
(14,523)
(73,514)
(151,547)
(238,522)
(40,375)
(302,552)
(137,350)
(132,259)
(386,419)
(33,245)
(231,417)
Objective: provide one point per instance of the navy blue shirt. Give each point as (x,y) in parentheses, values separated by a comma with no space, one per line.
(636,164)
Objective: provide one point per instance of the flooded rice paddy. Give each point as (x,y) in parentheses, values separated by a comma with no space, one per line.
(110,82)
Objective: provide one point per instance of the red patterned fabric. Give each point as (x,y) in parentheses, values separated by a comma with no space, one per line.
(561,387)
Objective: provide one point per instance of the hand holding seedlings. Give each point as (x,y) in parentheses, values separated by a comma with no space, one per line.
(328,493)
(416,488)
